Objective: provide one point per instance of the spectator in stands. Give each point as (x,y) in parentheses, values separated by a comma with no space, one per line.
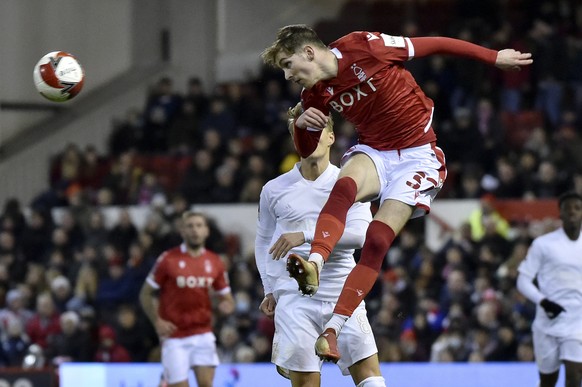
(220,118)
(251,190)
(13,343)
(548,182)
(124,233)
(486,217)
(457,290)
(196,95)
(72,344)
(11,256)
(45,321)
(62,293)
(96,233)
(12,219)
(134,333)
(66,167)
(199,179)
(162,107)
(109,349)
(505,182)
(225,190)
(36,236)
(115,288)
(184,132)
(94,169)
(229,340)
(15,309)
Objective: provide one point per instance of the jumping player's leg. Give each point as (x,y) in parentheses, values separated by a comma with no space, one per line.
(416,176)
(391,217)
(358,181)
(388,222)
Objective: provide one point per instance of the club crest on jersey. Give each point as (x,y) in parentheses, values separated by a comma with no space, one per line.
(207,267)
(371,36)
(182,264)
(359,72)
(329,90)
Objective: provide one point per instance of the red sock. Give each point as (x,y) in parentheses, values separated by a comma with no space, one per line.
(332,219)
(379,237)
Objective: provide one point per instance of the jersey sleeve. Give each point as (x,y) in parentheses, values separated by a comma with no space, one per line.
(306,140)
(158,273)
(424,46)
(265,227)
(384,47)
(530,266)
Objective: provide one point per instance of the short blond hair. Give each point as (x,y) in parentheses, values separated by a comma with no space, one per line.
(290,39)
(294,112)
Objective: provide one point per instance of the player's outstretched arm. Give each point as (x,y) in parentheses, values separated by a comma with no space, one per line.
(512,60)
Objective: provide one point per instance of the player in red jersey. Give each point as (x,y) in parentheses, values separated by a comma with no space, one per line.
(176,299)
(362,77)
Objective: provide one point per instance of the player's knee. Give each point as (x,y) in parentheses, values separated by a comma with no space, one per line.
(372,381)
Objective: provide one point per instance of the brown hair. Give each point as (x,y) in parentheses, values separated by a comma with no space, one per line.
(290,39)
(188,214)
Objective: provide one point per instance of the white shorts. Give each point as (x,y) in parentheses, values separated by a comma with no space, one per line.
(413,176)
(550,351)
(181,354)
(300,320)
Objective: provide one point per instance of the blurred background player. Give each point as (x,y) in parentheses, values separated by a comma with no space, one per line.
(555,261)
(362,77)
(289,206)
(176,299)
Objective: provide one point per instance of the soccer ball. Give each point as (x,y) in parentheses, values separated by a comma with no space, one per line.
(58,76)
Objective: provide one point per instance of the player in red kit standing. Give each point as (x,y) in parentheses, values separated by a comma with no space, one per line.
(176,299)
(362,77)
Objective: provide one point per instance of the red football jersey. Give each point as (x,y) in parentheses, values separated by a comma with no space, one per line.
(375,92)
(184,283)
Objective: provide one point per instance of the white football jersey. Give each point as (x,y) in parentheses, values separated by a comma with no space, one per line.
(290,203)
(556,261)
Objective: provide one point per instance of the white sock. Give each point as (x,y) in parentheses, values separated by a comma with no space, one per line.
(336,322)
(372,381)
(318,259)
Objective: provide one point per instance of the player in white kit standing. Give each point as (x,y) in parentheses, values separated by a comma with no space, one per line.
(362,77)
(288,210)
(176,299)
(555,260)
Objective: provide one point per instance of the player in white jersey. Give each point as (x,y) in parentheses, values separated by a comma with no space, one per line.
(555,260)
(288,211)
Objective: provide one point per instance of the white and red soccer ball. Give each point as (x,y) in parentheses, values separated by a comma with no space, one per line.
(58,76)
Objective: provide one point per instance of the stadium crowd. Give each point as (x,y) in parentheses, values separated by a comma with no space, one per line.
(70,285)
